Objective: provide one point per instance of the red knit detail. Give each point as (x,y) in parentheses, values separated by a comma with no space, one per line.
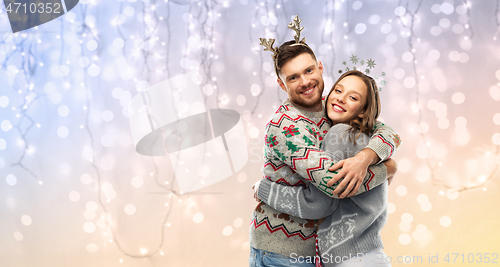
(372,175)
(317,259)
(280,227)
(274,166)
(387,143)
(299,117)
(310,170)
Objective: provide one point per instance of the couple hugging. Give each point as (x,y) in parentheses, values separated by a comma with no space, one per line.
(323,197)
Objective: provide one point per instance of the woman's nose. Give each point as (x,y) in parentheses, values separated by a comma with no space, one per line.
(341,98)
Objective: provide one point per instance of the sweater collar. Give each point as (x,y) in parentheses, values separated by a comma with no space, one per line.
(305,113)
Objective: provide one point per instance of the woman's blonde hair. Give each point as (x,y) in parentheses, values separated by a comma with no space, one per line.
(371,108)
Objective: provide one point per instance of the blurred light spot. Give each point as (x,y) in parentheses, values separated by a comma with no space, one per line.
(404,239)
(444,23)
(399,73)
(107,115)
(4,101)
(62,132)
(404,165)
(137,182)
(436,9)
(255,89)
(241,100)
(407,57)
(357,5)
(422,152)
(404,226)
(458,29)
(447,8)
(238,222)
(374,19)
(74,196)
(460,122)
(423,174)
(496,138)
(26,220)
(130,209)
(434,55)
(228,230)
(391,208)
(443,123)
(436,30)
(11,179)
(409,82)
(253,132)
(496,118)
(18,236)
(452,193)
(92,248)
(401,190)
(386,28)
(400,11)
(360,28)
(458,98)
(242,177)
(86,178)
(445,221)
(6,125)
(407,218)
(89,227)
(198,217)
(494,93)
(91,206)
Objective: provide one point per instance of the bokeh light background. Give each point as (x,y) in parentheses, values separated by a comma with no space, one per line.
(73,191)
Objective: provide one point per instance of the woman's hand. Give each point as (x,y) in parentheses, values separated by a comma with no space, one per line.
(255,188)
(353,171)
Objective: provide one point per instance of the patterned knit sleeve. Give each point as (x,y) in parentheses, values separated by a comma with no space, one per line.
(292,141)
(306,203)
(384,142)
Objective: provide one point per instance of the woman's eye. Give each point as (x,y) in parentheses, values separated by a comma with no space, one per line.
(337,90)
(353,98)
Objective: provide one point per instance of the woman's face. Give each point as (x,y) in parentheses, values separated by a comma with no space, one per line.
(347,100)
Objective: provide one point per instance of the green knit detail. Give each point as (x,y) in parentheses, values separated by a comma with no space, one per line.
(292,147)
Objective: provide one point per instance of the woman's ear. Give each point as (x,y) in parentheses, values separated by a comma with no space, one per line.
(362,114)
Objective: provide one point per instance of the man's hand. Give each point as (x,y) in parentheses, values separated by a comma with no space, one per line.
(255,188)
(392,168)
(353,171)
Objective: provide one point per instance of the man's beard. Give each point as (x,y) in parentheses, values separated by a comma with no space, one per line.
(301,102)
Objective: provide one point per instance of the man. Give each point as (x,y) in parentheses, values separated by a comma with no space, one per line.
(292,156)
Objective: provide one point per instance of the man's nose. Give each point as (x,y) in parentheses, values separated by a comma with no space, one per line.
(304,81)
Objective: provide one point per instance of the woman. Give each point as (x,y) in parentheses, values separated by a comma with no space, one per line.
(349,234)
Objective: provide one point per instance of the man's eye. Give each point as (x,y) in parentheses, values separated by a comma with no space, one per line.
(309,70)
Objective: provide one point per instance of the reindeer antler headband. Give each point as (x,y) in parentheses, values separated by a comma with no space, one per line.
(294,25)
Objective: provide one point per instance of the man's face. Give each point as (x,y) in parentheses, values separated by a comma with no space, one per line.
(302,79)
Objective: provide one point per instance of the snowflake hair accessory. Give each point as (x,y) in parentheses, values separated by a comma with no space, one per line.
(295,26)
(365,66)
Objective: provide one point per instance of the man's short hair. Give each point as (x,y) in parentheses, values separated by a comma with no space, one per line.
(287,52)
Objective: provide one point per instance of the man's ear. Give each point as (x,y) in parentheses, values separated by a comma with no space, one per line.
(282,85)
(320,66)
